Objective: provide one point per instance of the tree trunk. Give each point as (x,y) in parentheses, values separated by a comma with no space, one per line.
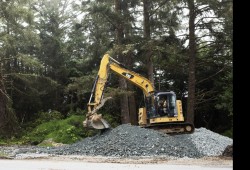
(125,118)
(129,63)
(146,25)
(146,29)
(191,72)
(132,106)
(131,98)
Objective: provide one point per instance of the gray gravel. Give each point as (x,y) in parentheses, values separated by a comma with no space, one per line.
(133,141)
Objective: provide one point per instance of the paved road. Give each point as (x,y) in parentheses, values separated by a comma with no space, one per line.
(81,165)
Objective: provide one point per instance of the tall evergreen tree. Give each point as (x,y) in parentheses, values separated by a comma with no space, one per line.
(212,51)
(119,28)
(192,56)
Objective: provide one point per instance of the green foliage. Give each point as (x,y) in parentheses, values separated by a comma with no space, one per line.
(64,131)
(31,88)
(78,111)
(113,120)
(8,120)
(2,142)
(43,117)
(30,61)
(225,98)
(81,84)
(228,133)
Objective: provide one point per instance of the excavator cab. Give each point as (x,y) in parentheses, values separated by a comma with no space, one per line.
(163,104)
(163,112)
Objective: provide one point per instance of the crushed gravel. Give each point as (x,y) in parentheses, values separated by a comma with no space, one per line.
(132,141)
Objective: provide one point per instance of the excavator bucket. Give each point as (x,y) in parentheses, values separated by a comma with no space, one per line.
(97,122)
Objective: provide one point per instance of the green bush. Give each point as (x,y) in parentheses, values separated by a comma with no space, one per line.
(65,131)
(42,117)
(228,133)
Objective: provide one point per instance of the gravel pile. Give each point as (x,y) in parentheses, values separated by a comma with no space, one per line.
(133,141)
(129,141)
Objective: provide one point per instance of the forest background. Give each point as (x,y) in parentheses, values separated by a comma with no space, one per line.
(50,52)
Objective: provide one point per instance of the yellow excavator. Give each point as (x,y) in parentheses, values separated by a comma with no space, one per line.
(162,111)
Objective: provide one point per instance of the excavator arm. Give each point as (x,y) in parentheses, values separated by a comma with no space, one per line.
(94,120)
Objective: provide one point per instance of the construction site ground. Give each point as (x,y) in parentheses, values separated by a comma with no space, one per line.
(68,162)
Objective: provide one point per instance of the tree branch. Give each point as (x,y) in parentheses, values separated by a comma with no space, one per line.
(210,76)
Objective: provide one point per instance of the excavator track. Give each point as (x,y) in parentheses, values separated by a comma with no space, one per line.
(173,128)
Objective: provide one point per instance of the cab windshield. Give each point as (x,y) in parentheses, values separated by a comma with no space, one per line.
(166,105)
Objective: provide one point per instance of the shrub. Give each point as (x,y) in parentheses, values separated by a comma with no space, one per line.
(65,131)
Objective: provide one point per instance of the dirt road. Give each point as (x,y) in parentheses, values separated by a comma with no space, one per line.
(90,163)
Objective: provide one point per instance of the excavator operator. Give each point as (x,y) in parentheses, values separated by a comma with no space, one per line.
(163,108)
